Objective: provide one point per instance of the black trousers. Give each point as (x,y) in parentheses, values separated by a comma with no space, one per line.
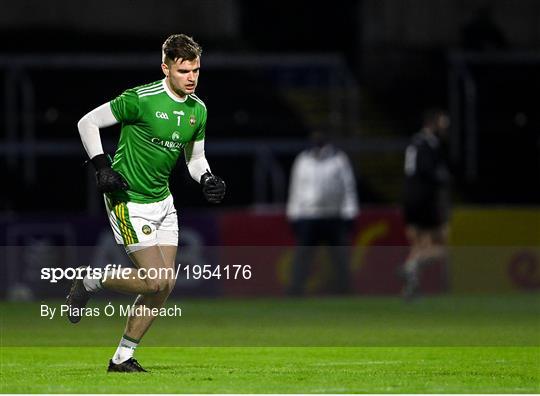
(331,232)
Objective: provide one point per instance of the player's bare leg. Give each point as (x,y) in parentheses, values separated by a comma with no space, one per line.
(124,280)
(164,256)
(434,245)
(427,247)
(169,254)
(134,283)
(413,235)
(159,268)
(409,271)
(434,250)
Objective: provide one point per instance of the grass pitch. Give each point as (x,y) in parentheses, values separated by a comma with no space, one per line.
(447,344)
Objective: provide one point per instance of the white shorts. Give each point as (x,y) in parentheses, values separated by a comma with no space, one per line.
(138,225)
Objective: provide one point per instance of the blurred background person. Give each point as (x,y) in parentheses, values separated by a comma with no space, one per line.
(426,198)
(321,207)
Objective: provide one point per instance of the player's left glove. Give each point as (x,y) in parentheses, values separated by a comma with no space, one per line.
(107,179)
(213,187)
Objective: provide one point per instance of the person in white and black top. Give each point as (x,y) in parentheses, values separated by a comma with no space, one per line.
(426,204)
(321,208)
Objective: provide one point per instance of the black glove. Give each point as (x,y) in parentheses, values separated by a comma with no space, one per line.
(213,187)
(107,179)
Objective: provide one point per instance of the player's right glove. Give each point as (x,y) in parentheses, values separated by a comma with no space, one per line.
(213,187)
(107,179)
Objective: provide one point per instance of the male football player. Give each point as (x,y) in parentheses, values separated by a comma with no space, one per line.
(158,121)
(426,198)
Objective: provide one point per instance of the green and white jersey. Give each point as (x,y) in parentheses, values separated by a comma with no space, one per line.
(156,126)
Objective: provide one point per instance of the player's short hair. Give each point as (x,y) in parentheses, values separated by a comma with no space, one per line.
(180,46)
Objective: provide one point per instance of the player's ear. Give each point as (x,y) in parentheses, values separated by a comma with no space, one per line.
(165,69)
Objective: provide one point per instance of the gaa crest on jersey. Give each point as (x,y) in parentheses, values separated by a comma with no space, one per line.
(146,229)
(192,120)
(162,115)
(175,136)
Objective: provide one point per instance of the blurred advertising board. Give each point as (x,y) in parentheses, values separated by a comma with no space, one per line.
(495,250)
(491,250)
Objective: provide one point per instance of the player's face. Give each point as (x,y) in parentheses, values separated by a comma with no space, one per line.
(183,76)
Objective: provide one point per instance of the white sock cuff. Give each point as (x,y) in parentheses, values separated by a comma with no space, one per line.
(125,349)
(92,285)
(128,342)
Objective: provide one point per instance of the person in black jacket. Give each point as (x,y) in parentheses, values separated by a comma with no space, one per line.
(426,203)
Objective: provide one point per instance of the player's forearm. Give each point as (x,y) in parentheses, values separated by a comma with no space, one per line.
(197,167)
(196,160)
(89,126)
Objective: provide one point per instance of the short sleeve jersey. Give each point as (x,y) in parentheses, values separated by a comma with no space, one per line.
(426,172)
(156,126)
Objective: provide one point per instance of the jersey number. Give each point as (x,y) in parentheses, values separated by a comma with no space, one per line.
(179,115)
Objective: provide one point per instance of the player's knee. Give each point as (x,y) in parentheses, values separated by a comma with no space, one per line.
(165,286)
(155,285)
